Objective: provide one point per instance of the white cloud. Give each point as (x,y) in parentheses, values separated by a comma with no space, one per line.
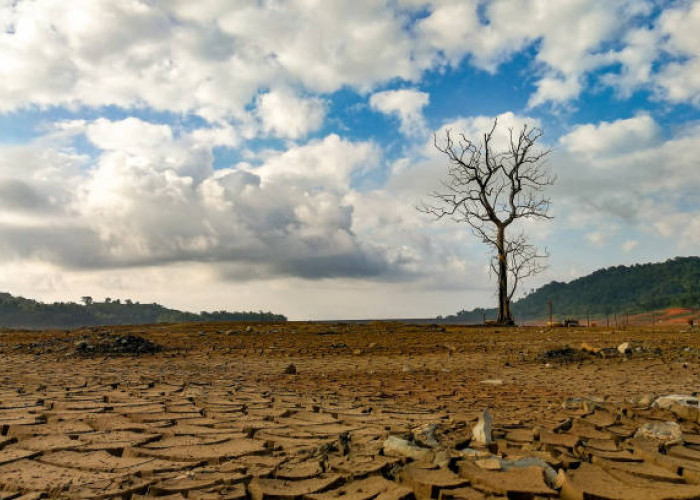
(475,127)
(214,60)
(326,163)
(625,172)
(211,61)
(286,115)
(621,136)
(406,104)
(151,197)
(680,79)
(570,37)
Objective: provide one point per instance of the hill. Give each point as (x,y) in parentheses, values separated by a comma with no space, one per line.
(18,312)
(617,290)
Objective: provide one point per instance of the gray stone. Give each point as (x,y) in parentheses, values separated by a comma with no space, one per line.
(481,432)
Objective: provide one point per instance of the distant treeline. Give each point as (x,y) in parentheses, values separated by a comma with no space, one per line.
(18,312)
(616,290)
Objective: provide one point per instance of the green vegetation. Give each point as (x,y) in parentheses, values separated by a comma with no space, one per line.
(615,290)
(18,312)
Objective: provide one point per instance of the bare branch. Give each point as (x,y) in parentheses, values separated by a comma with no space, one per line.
(489,189)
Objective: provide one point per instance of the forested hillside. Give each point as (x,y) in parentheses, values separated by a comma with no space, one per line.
(621,289)
(18,312)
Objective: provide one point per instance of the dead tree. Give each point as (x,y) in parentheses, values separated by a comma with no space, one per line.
(490,189)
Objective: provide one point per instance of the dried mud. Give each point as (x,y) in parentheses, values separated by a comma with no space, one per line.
(220,413)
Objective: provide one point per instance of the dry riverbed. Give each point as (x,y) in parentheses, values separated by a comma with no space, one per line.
(322,411)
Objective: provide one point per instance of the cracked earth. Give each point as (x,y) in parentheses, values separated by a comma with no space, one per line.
(318,411)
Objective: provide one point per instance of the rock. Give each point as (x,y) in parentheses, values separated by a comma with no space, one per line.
(585,405)
(425,435)
(481,432)
(684,407)
(624,348)
(645,401)
(249,329)
(290,369)
(667,432)
(396,447)
(667,402)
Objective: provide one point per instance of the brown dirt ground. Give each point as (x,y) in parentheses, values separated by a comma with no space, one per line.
(215,415)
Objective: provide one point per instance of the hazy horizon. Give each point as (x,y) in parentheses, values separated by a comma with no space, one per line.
(269,155)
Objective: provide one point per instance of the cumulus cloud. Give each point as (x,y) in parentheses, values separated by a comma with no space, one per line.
(621,136)
(679,80)
(286,115)
(146,194)
(406,104)
(626,172)
(570,38)
(151,197)
(213,61)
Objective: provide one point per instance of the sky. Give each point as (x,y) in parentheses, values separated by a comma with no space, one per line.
(270,154)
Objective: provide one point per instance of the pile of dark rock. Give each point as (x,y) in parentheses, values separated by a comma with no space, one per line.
(569,354)
(116,345)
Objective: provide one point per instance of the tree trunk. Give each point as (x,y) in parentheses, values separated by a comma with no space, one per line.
(504,316)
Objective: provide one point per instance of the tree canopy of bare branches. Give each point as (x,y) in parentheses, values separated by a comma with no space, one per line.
(490,188)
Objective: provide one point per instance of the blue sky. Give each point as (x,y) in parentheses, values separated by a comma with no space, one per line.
(270,154)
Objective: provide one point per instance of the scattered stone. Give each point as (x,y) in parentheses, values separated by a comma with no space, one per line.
(425,435)
(671,400)
(667,432)
(482,431)
(290,369)
(201,422)
(394,446)
(563,355)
